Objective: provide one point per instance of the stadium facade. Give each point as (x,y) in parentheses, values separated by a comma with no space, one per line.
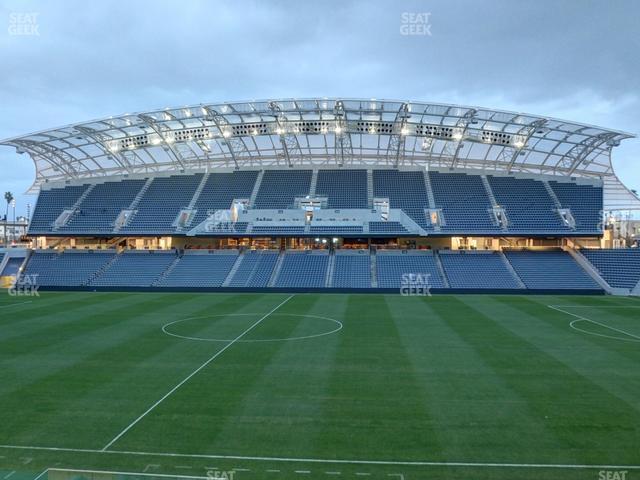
(326,194)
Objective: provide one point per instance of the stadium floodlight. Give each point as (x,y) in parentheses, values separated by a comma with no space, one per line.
(404,131)
(226,133)
(338,130)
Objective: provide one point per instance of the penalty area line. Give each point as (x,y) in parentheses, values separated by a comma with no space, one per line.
(188,377)
(407,463)
(580,317)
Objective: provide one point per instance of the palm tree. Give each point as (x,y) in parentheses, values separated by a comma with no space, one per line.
(8,196)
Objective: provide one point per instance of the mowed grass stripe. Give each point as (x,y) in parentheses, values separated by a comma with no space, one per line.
(373,407)
(181,357)
(49,310)
(610,364)
(578,411)
(63,419)
(281,412)
(476,413)
(65,375)
(566,309)
(47,328)
(65,338)
(193,415)
(380,377)
(68,336)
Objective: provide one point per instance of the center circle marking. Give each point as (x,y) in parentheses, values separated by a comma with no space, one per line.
(337,327)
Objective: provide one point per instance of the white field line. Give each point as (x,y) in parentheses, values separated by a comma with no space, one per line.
(15,304)
(41,474)
(137,474)
(595,306)
(408,463)
(593,321)
(188,377)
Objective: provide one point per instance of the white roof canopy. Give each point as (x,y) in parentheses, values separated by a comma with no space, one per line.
(320,132)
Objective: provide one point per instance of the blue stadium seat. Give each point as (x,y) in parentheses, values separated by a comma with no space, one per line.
(392,267)
(585,203)
(550,270)
(528,206)
(255,269)
(70,268)
(277,230)
(387,228)
(405,190)
(307,269)
(51,203)
(477,270)
(337,230)
(200,270)
(101,207)
(135,269)
(465,205)
(343,188)
(279,188)
(619,267)
(12,266)
(220,190)
(162,203)
(352,270)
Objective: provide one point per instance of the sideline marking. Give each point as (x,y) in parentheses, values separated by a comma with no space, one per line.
(409,463)
(15,304)
(202,339)
(188,377)
(141,474)
(585,319)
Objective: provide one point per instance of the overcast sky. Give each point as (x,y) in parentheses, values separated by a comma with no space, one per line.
(576,60)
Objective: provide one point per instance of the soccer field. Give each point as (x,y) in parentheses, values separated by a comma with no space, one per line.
(320,386)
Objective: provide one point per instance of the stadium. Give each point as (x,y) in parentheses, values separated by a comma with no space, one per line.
(321,288)
(342,195)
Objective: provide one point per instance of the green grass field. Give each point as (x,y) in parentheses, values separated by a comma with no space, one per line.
(320,386)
